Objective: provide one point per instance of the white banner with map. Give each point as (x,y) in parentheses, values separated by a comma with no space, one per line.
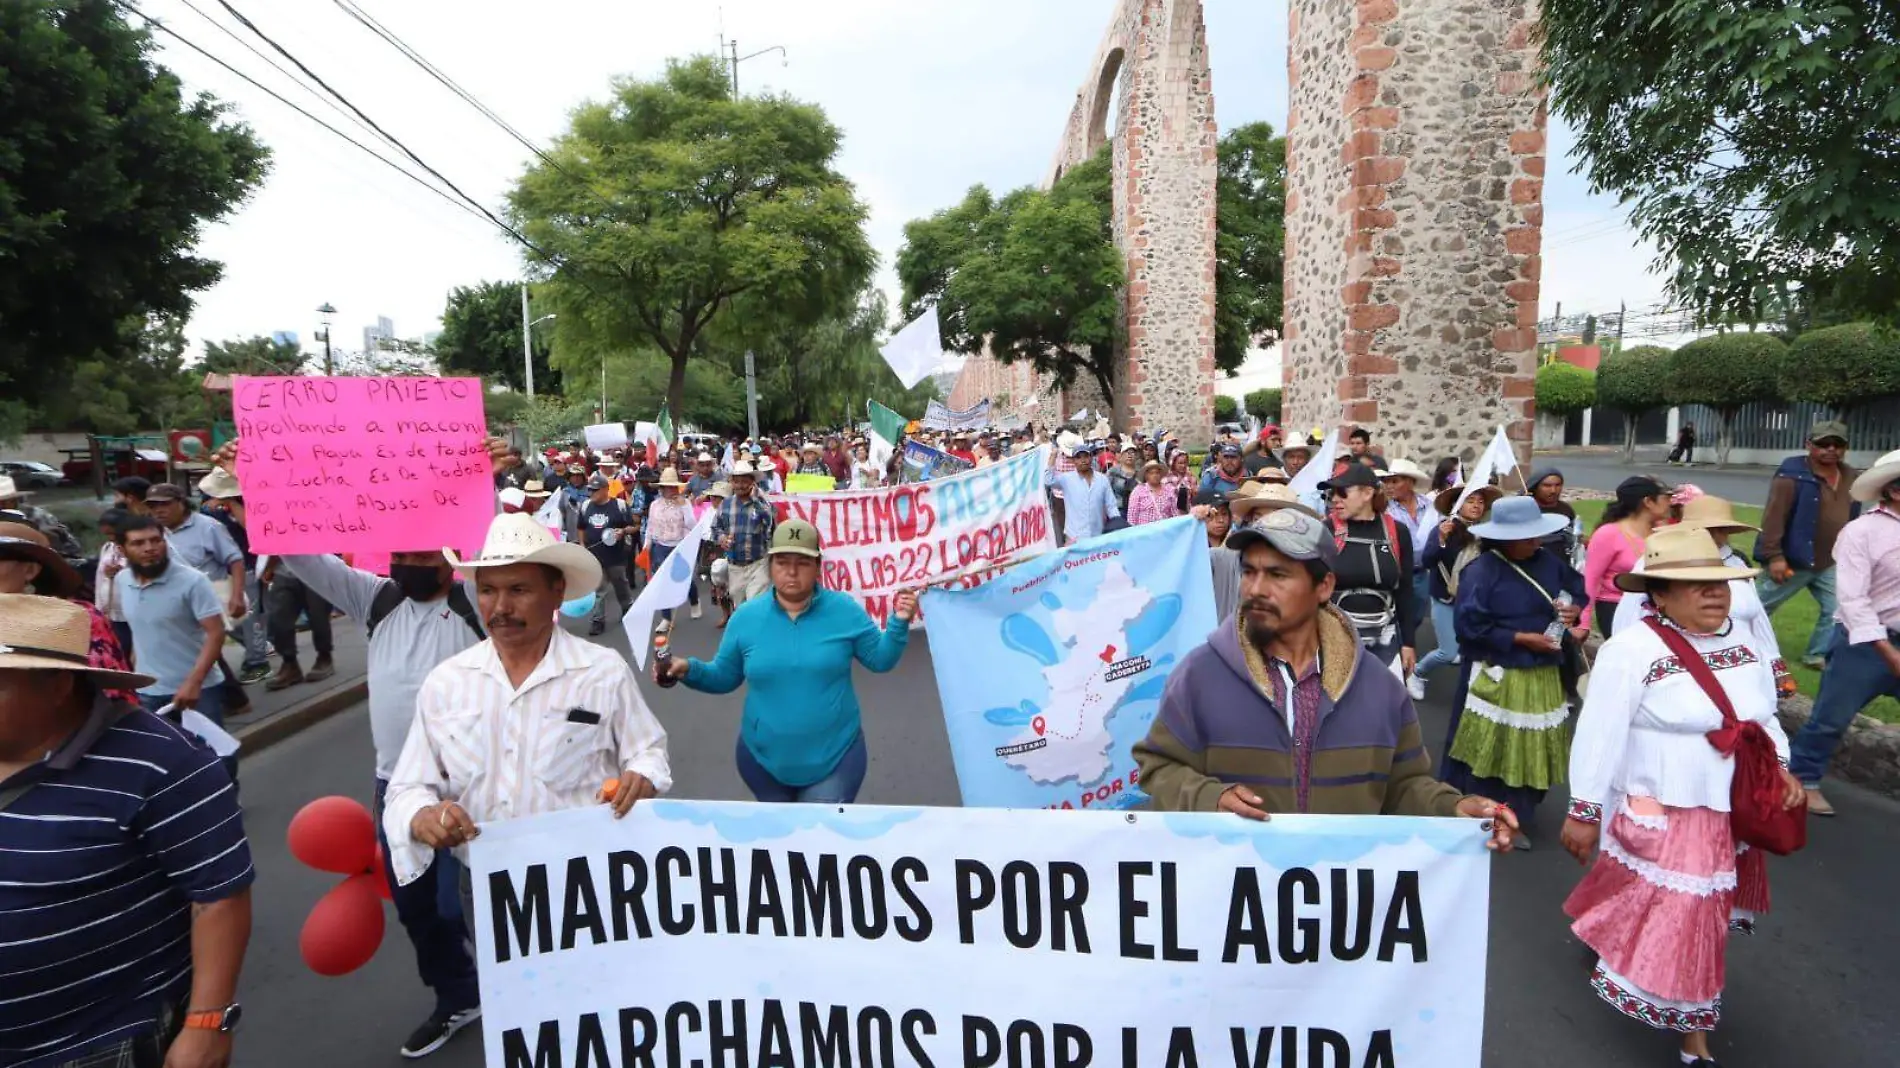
(1050,673)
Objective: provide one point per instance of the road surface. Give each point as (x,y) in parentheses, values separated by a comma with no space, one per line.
(1602,471)
(1813,988)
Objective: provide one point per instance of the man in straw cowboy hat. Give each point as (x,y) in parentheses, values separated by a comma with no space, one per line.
(1865,660)
(743,529)
(142,968)
(530,720)
(1288,706)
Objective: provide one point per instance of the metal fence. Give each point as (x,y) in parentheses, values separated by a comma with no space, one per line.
(1772,427)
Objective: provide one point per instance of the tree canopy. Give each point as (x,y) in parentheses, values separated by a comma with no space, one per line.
(1754,140)
(481,335)
(1263,404)
(671,204)
(253,356)
(108,175)
(1724,372)
(1633,381)
(1843,367)
(1249,241)
(1563,388)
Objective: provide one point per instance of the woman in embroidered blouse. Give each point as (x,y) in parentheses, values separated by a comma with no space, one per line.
(1510,727)
(1151,501)
(1651,790)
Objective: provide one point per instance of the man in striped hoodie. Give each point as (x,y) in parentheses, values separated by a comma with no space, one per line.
(1281,711)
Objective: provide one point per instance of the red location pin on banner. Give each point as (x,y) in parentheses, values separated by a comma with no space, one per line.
(1039,725)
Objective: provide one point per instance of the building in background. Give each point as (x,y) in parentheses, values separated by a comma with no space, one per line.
(383,330)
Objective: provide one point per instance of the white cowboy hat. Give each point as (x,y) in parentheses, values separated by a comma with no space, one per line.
(718,489)
(671,477)
(220,485)
(519,538)
(1405,469)
(743,469)
(8,490)
(1297,441)
(53,634)
(1866,488)
(1681,553)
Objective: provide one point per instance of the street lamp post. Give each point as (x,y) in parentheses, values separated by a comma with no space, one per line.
(527,347)
(733,59)
(327,315)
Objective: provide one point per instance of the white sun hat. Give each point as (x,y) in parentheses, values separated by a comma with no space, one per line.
(520,538)
(1871,481)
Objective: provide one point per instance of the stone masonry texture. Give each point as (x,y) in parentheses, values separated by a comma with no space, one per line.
(1415,145)
(1164,170)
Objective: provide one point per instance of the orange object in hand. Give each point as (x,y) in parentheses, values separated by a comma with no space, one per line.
(609,789)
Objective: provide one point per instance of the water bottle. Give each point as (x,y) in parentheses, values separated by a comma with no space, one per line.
(663,661)
(1555,632)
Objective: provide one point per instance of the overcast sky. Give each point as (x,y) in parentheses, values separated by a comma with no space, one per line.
(932,95)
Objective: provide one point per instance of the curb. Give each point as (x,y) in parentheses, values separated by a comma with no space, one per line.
(259,736)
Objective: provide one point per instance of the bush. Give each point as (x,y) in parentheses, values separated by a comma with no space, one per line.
(1631,381)
(1726,371)
(1843,367)
(1563,388)
(1226,409)
(1263,404)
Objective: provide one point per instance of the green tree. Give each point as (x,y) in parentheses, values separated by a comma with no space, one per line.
(821,375)
(1754,138)
(1632,381)
(1035,274)
(252,356)
(1226,409)
(108,175)
(140,384)
(672,203)
(481,335)
(1843,367)
(1249,241)
(1563,388)
(1723,372)
(1263,404)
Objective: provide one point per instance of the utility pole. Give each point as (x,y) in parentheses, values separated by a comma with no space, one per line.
(733,59)
(527,348)
(751,398)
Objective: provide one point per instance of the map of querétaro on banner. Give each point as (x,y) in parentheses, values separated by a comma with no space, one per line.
(1050,673)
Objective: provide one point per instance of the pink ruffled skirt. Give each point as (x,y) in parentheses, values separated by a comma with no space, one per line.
(1656,907)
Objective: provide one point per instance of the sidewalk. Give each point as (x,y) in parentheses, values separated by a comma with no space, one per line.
(276,716)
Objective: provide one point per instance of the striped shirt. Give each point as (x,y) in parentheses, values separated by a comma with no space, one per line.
(501,753)
(128,824)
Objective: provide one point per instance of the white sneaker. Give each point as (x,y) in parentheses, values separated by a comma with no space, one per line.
(665,627)
(696,612)
(1415,686)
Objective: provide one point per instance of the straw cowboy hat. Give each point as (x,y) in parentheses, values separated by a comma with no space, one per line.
(1263,497)
(743,469)
(9,490)
(719,489)
(1405,469)
(1447,498)
(57,578)
(220,485)
(671,477)
(51,634)
(1712,514)
(1866,488)
(1681,553)
(1298,442)
(519,538)
(533,488)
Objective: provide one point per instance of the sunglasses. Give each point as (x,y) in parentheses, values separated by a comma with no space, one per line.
(1830,443)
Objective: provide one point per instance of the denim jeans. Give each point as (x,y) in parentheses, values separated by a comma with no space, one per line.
(659,555)
(430,909)
(840,787)
(1446,651)
(1821,585)
(1855,675)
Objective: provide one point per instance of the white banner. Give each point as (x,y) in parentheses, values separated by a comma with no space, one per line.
(727,933)
(964,528)
(603,436)
(938,416)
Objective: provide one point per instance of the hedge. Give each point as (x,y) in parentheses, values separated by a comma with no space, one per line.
(1843,367)
(1563,388)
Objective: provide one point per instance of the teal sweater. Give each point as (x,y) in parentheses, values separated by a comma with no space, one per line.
(801,713)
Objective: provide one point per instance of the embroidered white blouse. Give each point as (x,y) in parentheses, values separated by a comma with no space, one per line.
(1642,731)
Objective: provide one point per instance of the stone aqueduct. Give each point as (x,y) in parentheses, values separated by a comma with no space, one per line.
(1415,165)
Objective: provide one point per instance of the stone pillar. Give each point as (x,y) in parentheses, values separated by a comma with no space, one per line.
(1415,165)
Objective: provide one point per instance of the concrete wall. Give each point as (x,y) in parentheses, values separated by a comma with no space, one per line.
(1414,220)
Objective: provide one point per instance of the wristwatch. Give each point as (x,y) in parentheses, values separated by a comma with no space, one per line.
(224,1020)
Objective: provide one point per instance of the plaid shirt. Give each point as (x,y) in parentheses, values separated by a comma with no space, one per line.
(1301,708)
(750,524)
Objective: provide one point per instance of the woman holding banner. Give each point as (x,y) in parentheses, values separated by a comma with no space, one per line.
(801,737)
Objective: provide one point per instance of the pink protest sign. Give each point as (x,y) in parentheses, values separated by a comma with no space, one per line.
(363,465)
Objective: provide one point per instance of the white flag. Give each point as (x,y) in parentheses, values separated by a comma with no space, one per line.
(1498,457)
(1317,470)
(915,351)
(550,516)
(666,589)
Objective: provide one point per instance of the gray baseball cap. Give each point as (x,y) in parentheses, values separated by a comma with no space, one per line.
(1290,532)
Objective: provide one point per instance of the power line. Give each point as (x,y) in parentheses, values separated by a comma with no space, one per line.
(274,65)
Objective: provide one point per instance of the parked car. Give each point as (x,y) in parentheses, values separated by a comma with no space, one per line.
(30,474)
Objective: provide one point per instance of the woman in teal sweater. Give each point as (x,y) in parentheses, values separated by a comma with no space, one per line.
(801,738)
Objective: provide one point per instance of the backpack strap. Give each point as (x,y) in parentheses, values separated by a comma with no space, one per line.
(388,599)
(461,606)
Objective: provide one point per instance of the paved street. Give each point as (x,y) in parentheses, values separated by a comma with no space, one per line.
(1603,470)
(1812,989)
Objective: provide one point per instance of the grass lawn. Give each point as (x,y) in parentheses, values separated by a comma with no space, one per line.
(1793,623)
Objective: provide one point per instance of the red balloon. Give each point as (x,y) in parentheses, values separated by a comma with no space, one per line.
(345,928)
(382,881)
(334,834)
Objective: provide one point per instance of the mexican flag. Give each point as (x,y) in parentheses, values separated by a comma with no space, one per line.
(887,429)
(665,423)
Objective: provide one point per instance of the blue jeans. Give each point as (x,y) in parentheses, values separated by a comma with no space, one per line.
(1446,651)
(659,554)
(1855,675)
(430,909)
(839,787)
(1821,585)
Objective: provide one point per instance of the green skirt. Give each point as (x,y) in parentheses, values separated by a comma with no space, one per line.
(1515,727)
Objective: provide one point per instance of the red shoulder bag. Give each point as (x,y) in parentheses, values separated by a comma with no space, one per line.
(1755,812)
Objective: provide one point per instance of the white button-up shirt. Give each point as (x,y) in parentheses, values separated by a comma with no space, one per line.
(501,753)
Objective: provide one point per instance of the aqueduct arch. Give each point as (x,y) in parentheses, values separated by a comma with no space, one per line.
(1414,219)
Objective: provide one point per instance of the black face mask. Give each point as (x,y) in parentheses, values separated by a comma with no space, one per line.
(416,581)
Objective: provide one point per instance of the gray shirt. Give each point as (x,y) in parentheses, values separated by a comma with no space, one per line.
(166,615)
(407,645)
(202,544)
(1226,564)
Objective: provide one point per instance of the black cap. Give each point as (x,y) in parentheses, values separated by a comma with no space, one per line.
(1230,450)
(1211,498)
(1353,475)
